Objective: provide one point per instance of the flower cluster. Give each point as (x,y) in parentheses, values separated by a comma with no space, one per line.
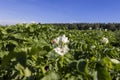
(60,44)
(104,40)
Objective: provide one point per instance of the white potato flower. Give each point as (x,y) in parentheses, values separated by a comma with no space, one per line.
(57,40)
(104,40)
(115,61)
(61,39)
(62,50)
(60,45)
(90,28)
(64,39)
(105,29)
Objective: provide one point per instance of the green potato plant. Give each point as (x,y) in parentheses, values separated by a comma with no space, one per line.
(47,52)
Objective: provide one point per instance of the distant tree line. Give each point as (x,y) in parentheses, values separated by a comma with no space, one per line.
(82,26)
(86,26)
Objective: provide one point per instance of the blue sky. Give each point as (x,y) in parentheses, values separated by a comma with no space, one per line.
(59,11)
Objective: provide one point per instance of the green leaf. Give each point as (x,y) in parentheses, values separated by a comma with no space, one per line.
(47,48)
(35,50)
(3,53)
(73,65)
(117,67)
(7,58)
(84,46)
(102,72)
(51,76)
(82,66)
(21,58)
(13,42)
(106,62)
(27,72)
(31,29)
(20,68)
(3,31)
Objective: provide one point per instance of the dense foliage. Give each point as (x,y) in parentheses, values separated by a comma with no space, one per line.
(36,52)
